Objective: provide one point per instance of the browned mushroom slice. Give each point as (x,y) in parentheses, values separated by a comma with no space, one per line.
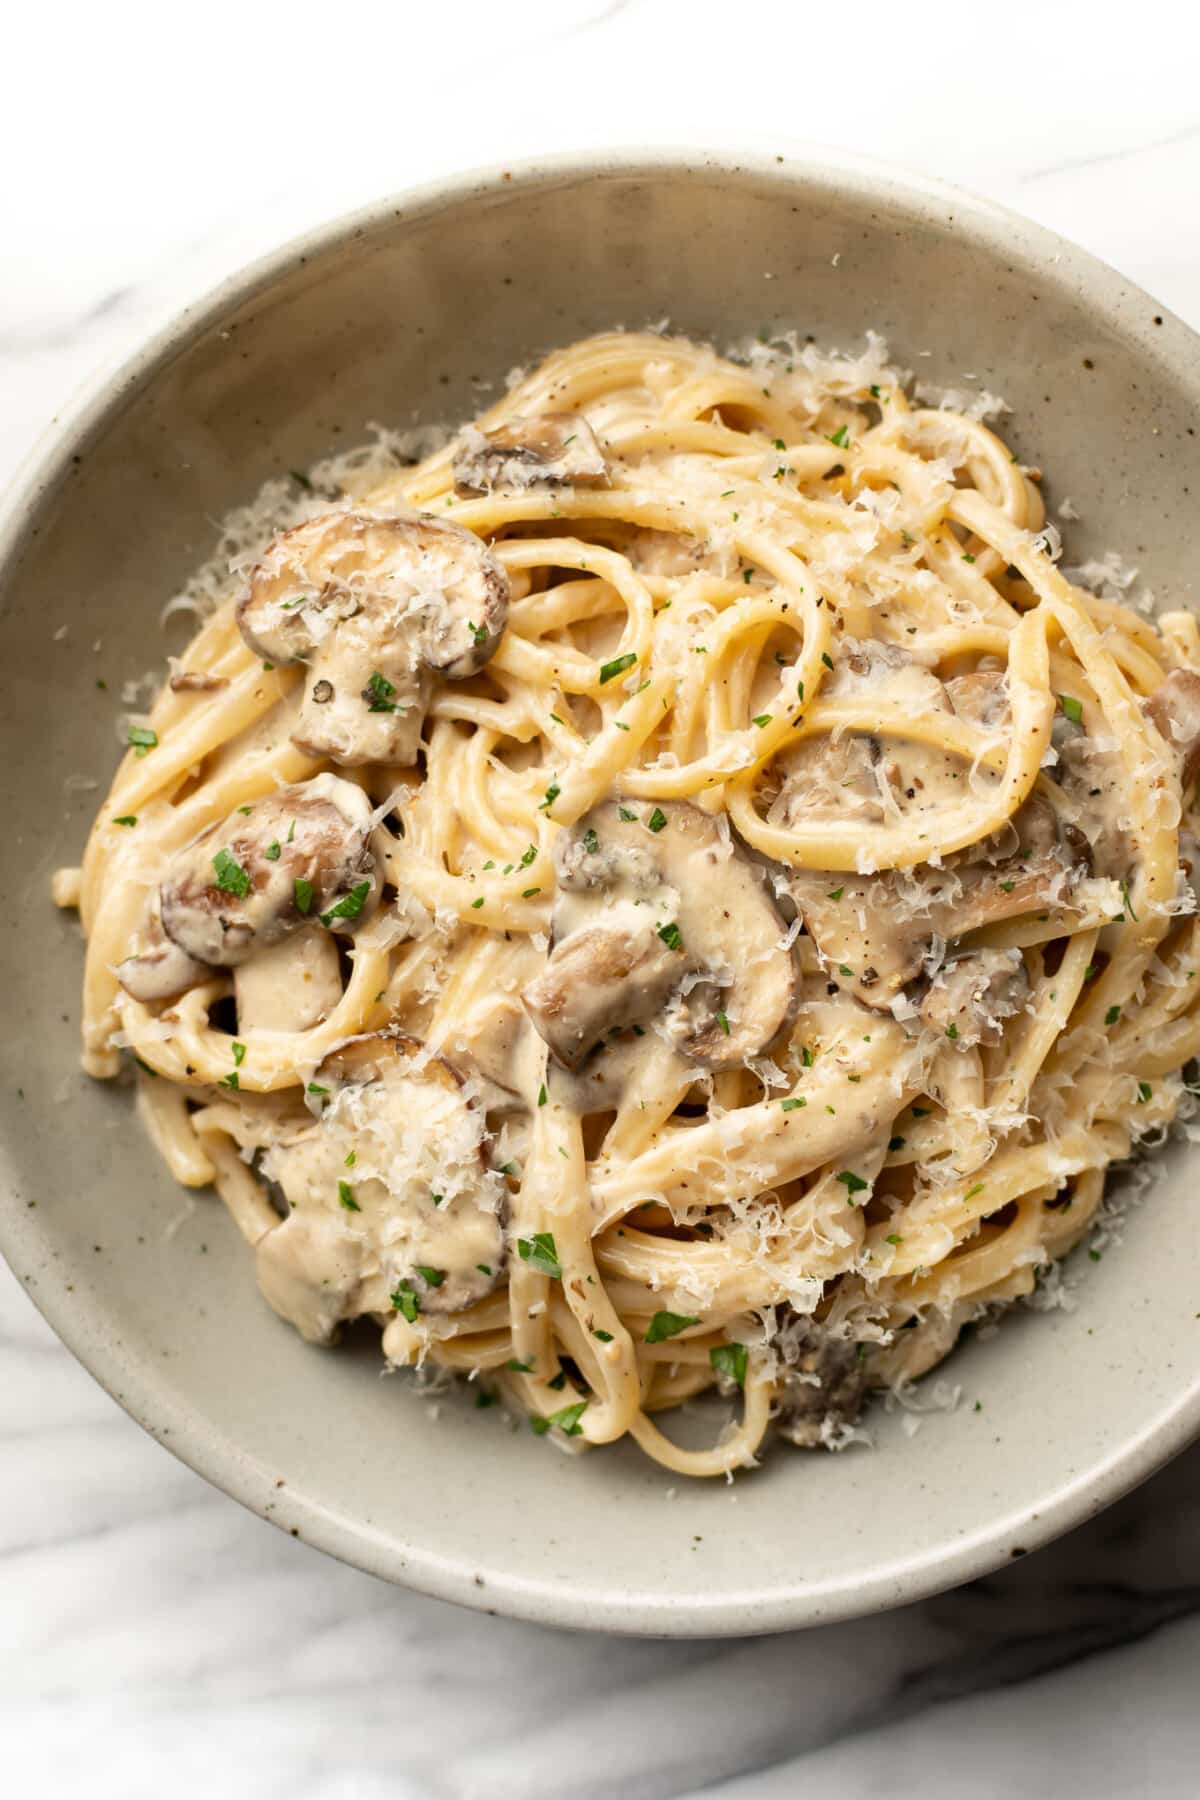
(969,999)
(552,450)
(390,1190)
(1175,711)
(190,681)
(376,607)
(981,697)
(598,977)
(291,858)
(160,970)
(823,1389)
(659,915)
(873,933)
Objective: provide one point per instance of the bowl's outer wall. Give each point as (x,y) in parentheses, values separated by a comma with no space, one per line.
(405,316)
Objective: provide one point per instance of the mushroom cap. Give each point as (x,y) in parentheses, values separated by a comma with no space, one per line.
(552,450)
(968,999)
(377,607)
(655,901)
(1175,711)
(293,857)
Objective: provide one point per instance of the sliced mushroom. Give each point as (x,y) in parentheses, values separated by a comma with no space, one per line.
(159,970)
(552,450)
(969,998)
(823,1393)
(292,858)
(658,914)
(1175,711)
(376,607)
(289,986)
(391,1198)
(873,933)
(982,697)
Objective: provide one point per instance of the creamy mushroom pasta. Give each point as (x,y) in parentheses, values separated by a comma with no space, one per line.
(675,891)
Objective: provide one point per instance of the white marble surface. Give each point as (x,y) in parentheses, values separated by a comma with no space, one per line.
(151,1634)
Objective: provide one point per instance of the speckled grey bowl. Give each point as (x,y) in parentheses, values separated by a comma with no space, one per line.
(395,313)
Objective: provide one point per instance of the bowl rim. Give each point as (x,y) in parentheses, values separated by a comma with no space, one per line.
(234,1469)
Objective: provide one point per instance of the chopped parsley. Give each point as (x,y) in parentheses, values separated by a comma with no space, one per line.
(230,1080)
(840,437)
(518,1367)
(792,1104)
(1128,902)
(476,904)
(543,1096)
(142,738)
(952,1031)
(800,689)
(827,659)
(893,1238)
(1144,1092)
(273,851)
(670,935)
(302,894)
(231,877)
(610,670)
(668,1325)
(729,1360)
(350,905)
(346,1197)
(657,820)
(591,842)
(723,1022)
(566,1419)
(606,1337)
(835,893)
(552,793)
(322,1093)
(528,893)
(126,819)
(431,1277)
(1072,708)
(853,1184)
(239,1053)
(763,719)
(1112,1015)
(967,557)
(405,1301)
(806,1056)
(478,632)
(629,817)
(382,694)
(541,1254)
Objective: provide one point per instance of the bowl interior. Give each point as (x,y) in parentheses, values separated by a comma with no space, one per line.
(400,317)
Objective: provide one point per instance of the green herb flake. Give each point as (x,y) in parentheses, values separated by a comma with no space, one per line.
(723,1022)
(610,670)
(630,818)
(476,904)
(1112,1015)
(350,1158)
(346,1197)
(657,820)
(1145,1091)
(668,1325)
(230,1080)
(893,1238)
(840,437)
(606,1337)
(827,659)
(231,877)
(321,1093)
(302,894)
(273,851)
(565,1420)
(729,1360)
(670,935)
(836,893)
(967,557)
(380,694)
(528,893)
(762,720)
(1072,708)
(971,1192)
(543,1096)
(405,1301)
(806,1056)
(126,819)
(591,842)
(518,1367)
(853,1184)
(350,905)
(431,1277)
(142,739)
(239,1053)
(551,795)
(541,1254)
(952,1031)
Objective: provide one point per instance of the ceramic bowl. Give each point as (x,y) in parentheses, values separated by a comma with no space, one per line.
(396,314)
